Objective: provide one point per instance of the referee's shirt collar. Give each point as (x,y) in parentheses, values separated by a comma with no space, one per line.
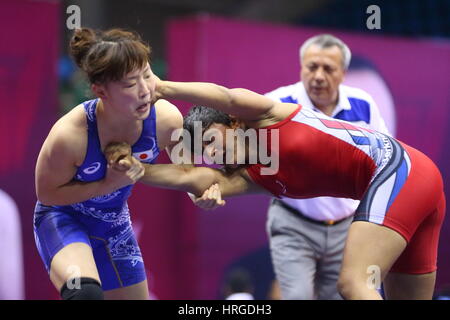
(304,100)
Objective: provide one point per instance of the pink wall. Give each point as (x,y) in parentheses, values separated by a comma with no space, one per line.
(28,104)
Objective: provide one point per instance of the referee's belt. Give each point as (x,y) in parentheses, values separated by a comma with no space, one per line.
(300,214)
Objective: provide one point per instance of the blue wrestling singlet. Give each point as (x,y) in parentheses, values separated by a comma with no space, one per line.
(102,222)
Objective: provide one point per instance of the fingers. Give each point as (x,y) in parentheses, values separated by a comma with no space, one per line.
(219,200)
(141,172)
(122,165)
(217,197)
(130,168)
(136,171)
(115,151)
(211,198)
(209,194)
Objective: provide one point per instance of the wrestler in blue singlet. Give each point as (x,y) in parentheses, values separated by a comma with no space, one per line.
(102,222)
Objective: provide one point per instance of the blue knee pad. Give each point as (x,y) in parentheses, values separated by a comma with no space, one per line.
(89,289)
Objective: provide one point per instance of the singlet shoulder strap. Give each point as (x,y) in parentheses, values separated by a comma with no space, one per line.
(93,144)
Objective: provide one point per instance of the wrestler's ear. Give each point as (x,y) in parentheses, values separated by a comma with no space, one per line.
(99,90)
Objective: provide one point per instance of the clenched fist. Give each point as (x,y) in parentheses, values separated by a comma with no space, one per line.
(123,168)
(118,155)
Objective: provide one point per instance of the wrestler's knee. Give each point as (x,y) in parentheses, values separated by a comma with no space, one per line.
(88,289)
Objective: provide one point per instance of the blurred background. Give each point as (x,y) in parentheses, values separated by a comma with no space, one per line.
(237,43)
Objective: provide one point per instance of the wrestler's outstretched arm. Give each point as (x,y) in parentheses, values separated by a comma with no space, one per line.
(183,177)
(195,180)
(242,103)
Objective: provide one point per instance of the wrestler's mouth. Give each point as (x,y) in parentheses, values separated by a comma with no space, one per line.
(143,107)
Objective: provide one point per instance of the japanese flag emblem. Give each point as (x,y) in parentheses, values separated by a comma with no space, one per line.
(144,156)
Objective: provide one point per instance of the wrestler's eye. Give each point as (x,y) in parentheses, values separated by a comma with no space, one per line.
(207,143)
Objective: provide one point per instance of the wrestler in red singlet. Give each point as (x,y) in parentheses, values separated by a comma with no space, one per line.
(342,160)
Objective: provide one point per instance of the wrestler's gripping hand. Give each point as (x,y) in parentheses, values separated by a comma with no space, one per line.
(211,198)
(123,168)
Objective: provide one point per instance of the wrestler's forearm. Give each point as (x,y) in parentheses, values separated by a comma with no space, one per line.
(74,192)
(198,93)
(242,103)
(195,180)
(179,177)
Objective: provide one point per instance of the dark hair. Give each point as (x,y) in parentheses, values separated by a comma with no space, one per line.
(207,116)
(108,55)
